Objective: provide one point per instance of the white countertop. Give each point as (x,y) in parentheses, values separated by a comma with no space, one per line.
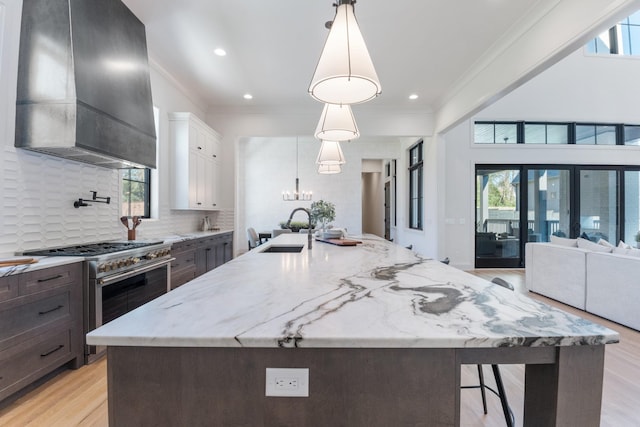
(43,262)
(377,294)
(175,238)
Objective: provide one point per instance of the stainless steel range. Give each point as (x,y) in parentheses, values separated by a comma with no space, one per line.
(120,276)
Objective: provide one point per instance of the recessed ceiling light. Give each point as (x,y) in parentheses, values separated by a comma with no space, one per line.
(248,96)
(413,96)
(220,52)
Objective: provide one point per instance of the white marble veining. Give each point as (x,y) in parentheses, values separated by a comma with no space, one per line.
(374,295)
(43,262)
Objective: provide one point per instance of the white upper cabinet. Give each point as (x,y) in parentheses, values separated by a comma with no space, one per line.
(195,150)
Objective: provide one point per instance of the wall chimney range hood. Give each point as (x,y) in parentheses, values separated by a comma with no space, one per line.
(84,91)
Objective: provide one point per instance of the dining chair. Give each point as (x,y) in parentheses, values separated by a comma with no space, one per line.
(252,238)
(500,392)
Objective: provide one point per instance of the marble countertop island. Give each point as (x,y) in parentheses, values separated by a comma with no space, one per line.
(374,295)
(380,332)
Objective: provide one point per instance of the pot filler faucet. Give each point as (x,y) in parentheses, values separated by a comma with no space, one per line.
(309,229)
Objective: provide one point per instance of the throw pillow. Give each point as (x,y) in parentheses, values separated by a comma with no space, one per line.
(623,245)
(620,251)
(572,243)
(605,243)
(589,245)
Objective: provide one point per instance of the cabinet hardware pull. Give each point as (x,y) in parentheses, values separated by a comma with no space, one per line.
(41,313)
(46,353)
(59,276)
(215,155)
(199,203)
(208,249)
(199,148)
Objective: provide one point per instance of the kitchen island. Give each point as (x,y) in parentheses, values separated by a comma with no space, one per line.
(382,331)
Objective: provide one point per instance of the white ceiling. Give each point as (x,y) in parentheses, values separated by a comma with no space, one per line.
(427,47)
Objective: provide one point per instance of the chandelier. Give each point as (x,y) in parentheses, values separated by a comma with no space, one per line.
(292,196)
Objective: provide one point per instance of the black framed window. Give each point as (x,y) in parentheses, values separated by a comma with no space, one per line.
(136,190)
(556,133)
(415,186)
(496,133)
(622,39)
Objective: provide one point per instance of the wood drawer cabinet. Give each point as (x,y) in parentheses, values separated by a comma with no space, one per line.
(183,267)
(40,324)
(197,256)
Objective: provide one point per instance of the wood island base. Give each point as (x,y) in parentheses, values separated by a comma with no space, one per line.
(348,387)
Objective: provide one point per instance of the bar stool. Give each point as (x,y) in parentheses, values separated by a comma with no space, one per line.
(506,409)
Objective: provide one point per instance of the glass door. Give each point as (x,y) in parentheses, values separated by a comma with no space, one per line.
(548,204)
(497,234)
(598,205)
(632,208)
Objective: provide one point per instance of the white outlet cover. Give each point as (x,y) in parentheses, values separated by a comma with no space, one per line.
(287,382)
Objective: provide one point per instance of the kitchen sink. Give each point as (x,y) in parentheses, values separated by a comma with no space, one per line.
(283,249)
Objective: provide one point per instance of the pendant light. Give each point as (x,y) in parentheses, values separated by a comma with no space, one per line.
(337,123)
(297,194)
(329,169)
(345,72)
(330,154)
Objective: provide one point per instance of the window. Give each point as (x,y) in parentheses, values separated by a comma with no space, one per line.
(415,186)
(595,135)
(622,39)
(136,187)
(521,132)
(496,133)
(546,133)
(136,184)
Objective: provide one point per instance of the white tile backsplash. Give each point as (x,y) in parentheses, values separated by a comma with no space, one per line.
(36,209)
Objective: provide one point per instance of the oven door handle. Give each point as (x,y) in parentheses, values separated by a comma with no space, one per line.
(116,277)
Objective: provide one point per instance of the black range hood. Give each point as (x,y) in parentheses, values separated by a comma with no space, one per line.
(84,91)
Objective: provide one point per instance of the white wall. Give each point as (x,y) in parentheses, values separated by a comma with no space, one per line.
(580,88)
(37,191)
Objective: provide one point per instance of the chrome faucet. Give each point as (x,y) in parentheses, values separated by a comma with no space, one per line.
(309,239)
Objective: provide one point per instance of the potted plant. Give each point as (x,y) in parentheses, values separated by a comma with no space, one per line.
(323,213)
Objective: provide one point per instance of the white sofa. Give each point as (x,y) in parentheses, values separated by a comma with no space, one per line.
(603,283)
(557,272)
(613,287)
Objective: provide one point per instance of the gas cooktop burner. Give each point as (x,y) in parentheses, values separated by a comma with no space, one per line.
(91,249)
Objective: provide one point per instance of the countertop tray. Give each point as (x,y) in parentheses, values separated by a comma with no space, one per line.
(339,242)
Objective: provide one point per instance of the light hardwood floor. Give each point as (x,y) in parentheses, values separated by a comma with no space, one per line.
(79,398)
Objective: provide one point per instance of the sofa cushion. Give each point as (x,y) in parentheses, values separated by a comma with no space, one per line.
(612,288)
(628,252)
(572,243)
(589,245)
(623,245)
(605,243)
(557,272)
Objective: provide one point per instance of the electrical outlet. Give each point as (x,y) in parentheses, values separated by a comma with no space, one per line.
(287,382)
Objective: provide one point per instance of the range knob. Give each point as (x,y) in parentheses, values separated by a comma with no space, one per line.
(102,268)
(135,260)
(151,255)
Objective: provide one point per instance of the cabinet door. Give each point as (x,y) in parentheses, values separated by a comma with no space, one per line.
(193,179)
(211,182)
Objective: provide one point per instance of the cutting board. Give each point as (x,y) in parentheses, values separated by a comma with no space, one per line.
(339,242)
(8,262)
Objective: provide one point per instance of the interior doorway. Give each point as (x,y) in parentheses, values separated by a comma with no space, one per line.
(373,197)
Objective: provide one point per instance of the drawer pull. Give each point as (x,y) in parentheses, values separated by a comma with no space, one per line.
(42,313)
(59,276)
(53,350)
